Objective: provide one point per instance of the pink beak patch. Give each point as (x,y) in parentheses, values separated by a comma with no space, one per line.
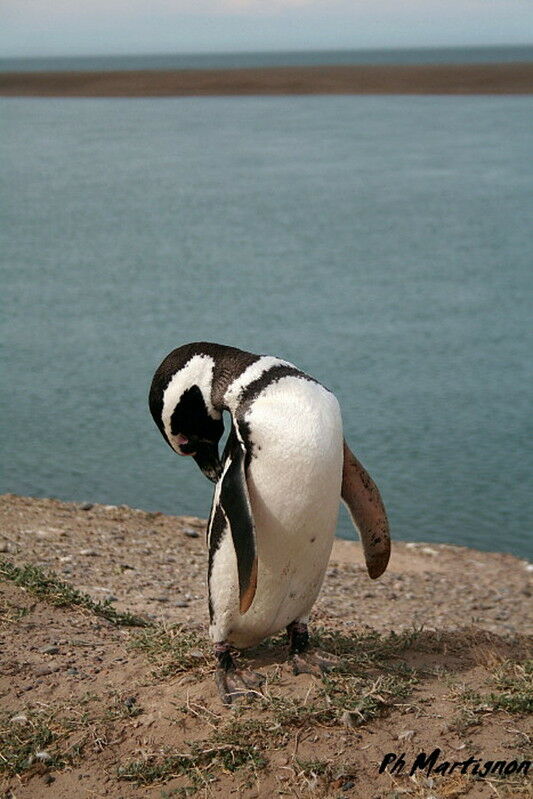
(181,439)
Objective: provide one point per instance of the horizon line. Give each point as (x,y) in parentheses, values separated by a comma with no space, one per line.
(369,49)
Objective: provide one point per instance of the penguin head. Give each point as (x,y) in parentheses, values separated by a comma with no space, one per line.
(180,403)
(195,432)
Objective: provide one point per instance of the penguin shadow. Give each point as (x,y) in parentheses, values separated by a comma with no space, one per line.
(273,657)
(369,653)
(272,652)
(373,672)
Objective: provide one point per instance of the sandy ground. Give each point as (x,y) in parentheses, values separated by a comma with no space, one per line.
(98,697)
(514,78)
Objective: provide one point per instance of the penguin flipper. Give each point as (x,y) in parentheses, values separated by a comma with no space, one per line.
(362,497)
(235,503)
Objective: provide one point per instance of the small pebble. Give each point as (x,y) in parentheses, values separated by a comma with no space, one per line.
(351,719)
(89,552)
(49,650)
(348,786)
(20,719)
(191,533)
(48,779)
(87,506)
(181,604)
(42,671)
(406,735)
(196,654)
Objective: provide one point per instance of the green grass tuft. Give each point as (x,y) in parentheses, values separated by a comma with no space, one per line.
(195,764)
(516,681)
(56,591)
(359,651)
(173,648)
(25,744)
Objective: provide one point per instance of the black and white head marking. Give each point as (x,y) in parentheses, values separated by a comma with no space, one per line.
(181,405)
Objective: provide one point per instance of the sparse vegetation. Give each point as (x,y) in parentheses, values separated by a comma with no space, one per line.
(172,648)
(366,699)
(128,712)
(365,649)
(11,613)
(33,739)
(283,718)
(515,681)
(199,764)
(62,594)
(123,707)
(313,768)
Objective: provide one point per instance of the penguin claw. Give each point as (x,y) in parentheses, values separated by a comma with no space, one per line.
(234,685)
(252,679)
(222,687)
(316,663)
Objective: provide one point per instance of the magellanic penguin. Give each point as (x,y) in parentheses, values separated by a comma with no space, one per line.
(277,491)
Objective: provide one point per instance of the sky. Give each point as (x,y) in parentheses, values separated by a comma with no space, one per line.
(93,27)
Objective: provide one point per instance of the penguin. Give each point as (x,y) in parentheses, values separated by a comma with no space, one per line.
(278,486)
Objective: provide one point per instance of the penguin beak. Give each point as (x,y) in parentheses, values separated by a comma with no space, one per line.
(206,456)
(185,445)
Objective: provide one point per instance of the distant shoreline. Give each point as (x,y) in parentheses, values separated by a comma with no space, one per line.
(436,79)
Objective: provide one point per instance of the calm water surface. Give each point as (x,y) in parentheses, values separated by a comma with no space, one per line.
(420,55)
(382,244)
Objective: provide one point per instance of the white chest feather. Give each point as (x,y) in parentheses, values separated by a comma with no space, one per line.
(294,482)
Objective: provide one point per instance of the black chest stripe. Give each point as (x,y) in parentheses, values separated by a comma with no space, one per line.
(252,391)
(270,376)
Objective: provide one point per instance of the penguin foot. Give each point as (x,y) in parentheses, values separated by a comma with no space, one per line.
(238,684)
(304,662)
(234,683)
(316,663)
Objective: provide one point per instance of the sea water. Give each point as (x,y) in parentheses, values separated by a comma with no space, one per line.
(382,244)
(288,58)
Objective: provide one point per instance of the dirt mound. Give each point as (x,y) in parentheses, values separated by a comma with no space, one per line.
(107,683)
